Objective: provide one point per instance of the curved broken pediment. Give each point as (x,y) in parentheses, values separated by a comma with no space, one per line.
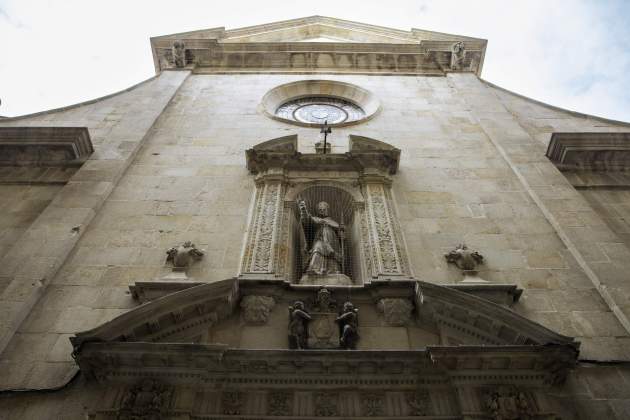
(244,351)
(450,316)
(465,317)
(175,317)
(365,155)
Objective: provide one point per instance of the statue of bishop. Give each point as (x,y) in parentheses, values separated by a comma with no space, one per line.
(322,233)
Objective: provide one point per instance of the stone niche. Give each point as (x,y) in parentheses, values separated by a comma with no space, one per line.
(357,186)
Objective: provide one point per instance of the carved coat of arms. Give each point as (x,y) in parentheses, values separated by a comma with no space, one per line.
(323,331)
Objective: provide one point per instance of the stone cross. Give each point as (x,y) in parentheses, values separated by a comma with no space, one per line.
(326,130)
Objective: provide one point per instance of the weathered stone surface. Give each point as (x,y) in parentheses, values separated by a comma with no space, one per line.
(168,167)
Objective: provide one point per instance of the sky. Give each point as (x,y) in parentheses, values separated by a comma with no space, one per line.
(574,54)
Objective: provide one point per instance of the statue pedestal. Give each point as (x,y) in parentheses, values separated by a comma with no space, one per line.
(326,280)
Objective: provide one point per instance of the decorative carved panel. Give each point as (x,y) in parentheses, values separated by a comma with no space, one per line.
(263,235)
(357,185)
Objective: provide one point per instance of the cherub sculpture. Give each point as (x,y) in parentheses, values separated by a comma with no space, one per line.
(298,325)
(348,326)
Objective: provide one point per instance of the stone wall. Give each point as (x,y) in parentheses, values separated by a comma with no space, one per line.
(39,310)
(472,170)
(20,206)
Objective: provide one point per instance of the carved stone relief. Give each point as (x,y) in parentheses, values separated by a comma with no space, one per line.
(349,325)
(326,404)
(279,403)
(373,404)
(183,255)
(298,326)
(179,54)
(390,256)
(466,260)
(256,309)
(145,401)
(419,402)
(396,311)
(232,402)
(509,403)
(458,54)
(264,229)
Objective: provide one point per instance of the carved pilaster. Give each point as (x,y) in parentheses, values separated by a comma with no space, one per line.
(391,259)
(285,250)
(367,250)
(261,252)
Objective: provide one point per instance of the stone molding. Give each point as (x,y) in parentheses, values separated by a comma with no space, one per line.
(590,151)
(120,362)
(284,47)
(279,95)
(312,384)
(44,146)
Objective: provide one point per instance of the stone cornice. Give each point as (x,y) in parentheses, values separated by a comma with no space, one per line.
(217,364)
(44,146)
(608,151)
(284,47)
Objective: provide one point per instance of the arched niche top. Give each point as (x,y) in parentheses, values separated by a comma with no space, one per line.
(331,89)
(364,154)
(294,192)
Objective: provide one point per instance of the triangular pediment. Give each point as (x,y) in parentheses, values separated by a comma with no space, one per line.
(309,44)
(320,29)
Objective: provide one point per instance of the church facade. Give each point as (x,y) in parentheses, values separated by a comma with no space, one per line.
(314,218)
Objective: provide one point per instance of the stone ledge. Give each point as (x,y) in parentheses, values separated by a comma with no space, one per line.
(502,294)
(44,146)
(590,151)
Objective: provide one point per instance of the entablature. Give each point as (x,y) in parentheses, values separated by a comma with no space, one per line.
(301,45)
